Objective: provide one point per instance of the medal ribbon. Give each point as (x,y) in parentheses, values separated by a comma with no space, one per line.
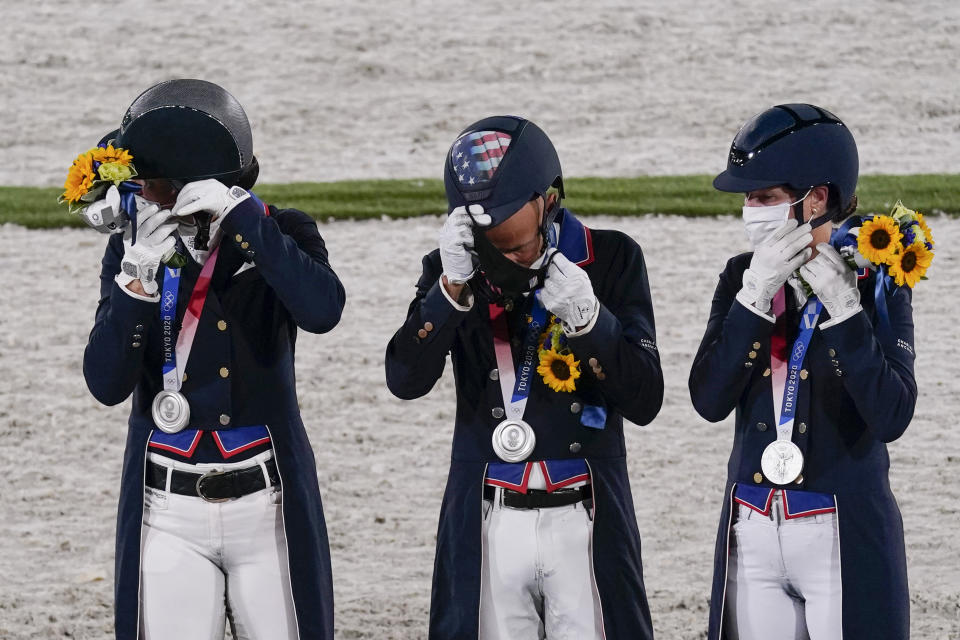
(785,374)
(175,358)
(515,384)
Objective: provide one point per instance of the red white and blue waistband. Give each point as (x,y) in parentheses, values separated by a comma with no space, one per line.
(796,504)
(230,442)
(556,473)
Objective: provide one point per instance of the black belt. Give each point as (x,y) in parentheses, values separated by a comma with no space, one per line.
(213,486)
(539,499)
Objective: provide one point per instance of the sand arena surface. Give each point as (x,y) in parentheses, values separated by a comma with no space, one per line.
(382,462)
(368,89)
(379,88)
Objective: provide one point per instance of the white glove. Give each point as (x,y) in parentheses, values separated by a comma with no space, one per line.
(834,282)
(568,294)
(208,195)
(104,215)
(772,263)
(155,243)
(456,241)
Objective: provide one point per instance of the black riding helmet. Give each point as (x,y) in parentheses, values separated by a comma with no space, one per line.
(186,130)
(797,145)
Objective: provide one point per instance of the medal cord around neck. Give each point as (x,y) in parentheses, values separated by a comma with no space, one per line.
(175,359)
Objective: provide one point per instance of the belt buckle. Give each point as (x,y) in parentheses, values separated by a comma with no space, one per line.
(210,474)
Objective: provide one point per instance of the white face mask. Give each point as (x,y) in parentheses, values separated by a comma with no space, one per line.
(761,222)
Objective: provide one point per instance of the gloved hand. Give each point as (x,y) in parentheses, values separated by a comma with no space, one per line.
(772,263)
(105,215)
(208,195)
(456,241)
(834,283)
(568,294)
(155,243)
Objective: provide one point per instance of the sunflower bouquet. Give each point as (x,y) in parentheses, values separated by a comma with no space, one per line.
(558,368)
(93,172)
(899,245)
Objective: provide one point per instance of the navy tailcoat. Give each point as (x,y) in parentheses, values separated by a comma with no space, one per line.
(622,341)
(857,393)
(291,286)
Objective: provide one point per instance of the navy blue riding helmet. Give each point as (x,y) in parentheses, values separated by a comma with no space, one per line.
(186,130)
(797,145)
(501,163)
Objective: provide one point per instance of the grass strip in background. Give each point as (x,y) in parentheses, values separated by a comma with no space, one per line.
(37,208)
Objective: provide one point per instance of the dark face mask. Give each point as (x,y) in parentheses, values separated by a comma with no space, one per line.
(508,280)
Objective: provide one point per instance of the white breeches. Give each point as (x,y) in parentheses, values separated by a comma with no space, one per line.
(783,578)
(203,562)
(537,578)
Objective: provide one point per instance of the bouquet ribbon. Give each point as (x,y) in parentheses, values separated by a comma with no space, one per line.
(880,289)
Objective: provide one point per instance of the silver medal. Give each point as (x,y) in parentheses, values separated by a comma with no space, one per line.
(513,440)
(782,462)
(171,411)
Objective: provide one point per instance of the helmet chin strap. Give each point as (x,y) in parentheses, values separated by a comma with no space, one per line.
(549,216)
(820,221)
(202,239)
(797,210)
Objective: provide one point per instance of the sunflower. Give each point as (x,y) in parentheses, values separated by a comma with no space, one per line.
(112,154)
(80,178)
(559,370)
(879,239)
(909,265)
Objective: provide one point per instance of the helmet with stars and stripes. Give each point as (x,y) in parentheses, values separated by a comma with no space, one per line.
(501,163)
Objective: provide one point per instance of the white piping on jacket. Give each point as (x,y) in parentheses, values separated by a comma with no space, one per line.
(143,508)
(726,560)
(593,575)
(483,480)
(283,519)
(836,505)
